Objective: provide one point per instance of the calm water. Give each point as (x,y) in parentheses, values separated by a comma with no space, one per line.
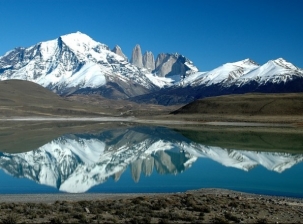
(156,159)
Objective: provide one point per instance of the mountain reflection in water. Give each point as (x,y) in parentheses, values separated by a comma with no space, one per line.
(76,162)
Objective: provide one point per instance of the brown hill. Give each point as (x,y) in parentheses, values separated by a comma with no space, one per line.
(24,98)
(247,104)
(122,107)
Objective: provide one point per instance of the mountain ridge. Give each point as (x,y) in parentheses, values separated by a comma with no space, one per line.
(275,76)
(77,64)
(75,61)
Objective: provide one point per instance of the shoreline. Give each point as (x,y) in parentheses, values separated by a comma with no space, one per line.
(150,121)
(208,205)
(53,197)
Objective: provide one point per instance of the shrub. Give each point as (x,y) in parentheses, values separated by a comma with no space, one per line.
(188,218)
(262,221)
(163,221)
(10,219)
(81,217)
(201,215)
(231,217)
(146,219)
(218,220)
(137,220)
(233,204)
(56,220)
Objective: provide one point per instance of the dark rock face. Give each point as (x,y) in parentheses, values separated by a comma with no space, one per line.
(172,65)
(175,66)
(164,64)
(118,51)
(149,61)
(161,58)
(137,56)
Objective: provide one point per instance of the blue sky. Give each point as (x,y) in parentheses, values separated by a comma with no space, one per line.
(208,32)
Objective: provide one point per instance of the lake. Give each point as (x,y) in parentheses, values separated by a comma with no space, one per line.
(130,158)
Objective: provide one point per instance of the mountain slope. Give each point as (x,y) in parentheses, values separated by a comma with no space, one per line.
(274,71)
(277,76)
(247,104)
(22,98)
(75,62)
(226,73)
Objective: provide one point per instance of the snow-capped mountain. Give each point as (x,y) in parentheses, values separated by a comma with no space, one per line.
(274,71)
(76,62)
(75,163)
(244,72)
(275,76)
(224,74)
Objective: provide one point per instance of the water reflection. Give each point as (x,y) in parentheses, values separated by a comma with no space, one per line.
(76,163)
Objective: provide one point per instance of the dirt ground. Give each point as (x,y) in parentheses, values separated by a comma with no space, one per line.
(200,206)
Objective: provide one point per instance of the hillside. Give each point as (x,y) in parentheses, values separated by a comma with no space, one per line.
(247,104)
(122,107)
(24,98)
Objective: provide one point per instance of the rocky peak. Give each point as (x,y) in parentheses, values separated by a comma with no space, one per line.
(249,61)
(137,56)
(149,61)
(75,63)
(117,50)
(284,64)
(164,64)
(161,58)
(81,43)
(175,66)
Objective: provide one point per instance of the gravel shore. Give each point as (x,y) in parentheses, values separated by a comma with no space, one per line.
(199,206)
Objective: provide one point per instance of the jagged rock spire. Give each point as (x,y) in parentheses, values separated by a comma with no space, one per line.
(118,51)
(137,56)
(149,61)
